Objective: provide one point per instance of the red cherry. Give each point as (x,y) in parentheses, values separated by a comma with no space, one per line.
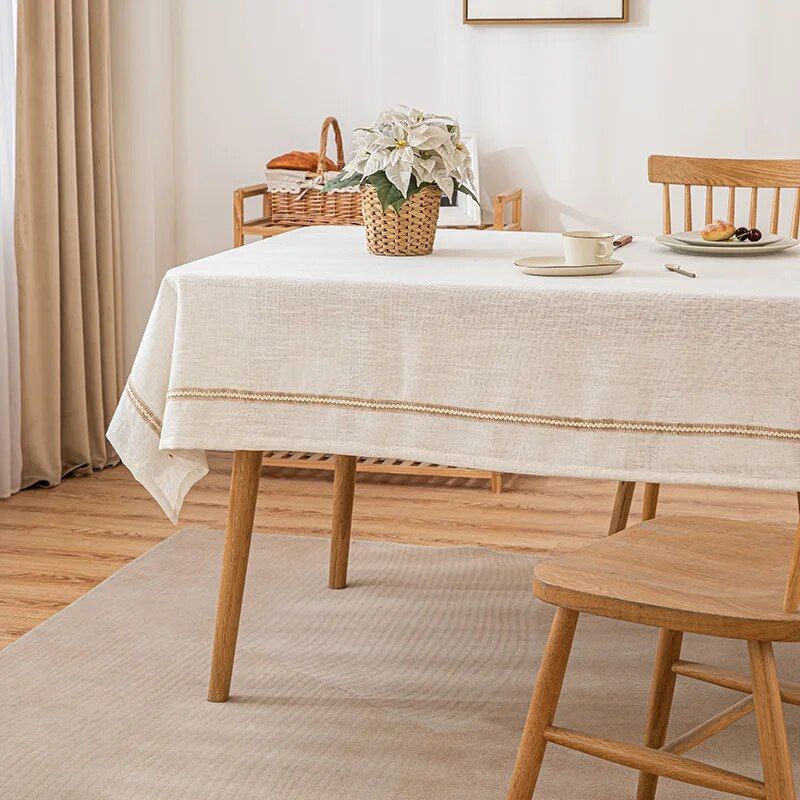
(754,235)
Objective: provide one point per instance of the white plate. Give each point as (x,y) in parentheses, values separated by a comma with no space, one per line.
(696,240)
(554,266)
(740,250)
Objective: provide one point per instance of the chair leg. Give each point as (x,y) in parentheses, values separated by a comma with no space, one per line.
(662,689)
(622,506)
(241,512)
(772,740)
(650,503)
(543,704)
(344,482)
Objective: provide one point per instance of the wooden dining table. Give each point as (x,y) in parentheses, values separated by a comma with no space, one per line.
(307,342)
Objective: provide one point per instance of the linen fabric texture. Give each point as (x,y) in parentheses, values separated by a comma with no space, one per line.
(306,342)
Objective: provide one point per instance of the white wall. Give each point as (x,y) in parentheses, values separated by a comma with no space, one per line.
(569,112)
(141,74)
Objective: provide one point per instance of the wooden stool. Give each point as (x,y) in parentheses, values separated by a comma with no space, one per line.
(697,575)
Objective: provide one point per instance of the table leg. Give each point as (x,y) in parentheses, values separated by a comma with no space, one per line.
(241,511)
(622,506)
(650,502)
(344,482)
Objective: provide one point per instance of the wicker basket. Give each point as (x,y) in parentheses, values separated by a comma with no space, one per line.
(312,206)
(409,232)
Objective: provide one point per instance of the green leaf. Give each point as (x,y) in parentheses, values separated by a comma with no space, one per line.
(414,187)
(387,192)
(462,187)
(342,181)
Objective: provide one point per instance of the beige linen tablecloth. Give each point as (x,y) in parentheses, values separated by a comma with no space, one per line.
(306,342)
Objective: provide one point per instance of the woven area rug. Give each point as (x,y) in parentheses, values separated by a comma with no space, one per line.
(412,683)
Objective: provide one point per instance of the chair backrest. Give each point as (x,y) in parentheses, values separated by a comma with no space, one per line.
(730,173)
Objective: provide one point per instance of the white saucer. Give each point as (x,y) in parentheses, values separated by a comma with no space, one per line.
(741,249)
(554,266)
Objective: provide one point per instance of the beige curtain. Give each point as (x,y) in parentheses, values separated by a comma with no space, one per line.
(66,237)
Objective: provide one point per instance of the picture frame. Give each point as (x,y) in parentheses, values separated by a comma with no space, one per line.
(543,12)
(466,212)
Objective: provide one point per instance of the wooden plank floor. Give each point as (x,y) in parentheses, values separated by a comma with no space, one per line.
(56,544)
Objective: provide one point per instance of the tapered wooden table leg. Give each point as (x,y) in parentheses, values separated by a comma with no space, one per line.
(241,511)
(650,502)
(662,689)
(774,746)
(622,506)
(543,705)
(344,482)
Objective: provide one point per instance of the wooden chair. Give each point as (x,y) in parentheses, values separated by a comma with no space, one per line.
(694,574)
(711,173)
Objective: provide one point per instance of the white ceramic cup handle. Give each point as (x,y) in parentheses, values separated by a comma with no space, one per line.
(607,250)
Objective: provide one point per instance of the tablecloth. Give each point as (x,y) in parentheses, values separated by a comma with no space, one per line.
(305,341)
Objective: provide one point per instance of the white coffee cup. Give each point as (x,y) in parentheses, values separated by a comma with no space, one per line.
(584,248)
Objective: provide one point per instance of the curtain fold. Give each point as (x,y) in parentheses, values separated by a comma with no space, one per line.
(10,452)
(66,238)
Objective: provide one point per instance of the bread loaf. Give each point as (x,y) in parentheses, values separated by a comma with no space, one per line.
(717,231)
(301,161)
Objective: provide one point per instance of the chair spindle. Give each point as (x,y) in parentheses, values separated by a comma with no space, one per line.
(776,210)
(753,206)
(687,207)
(668,210)
(731,203)
(709,204)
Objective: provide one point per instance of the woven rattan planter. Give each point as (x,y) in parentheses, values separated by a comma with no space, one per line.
(409,232)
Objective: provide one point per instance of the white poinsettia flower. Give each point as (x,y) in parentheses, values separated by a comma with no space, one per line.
(423,169)
(462,159)
(411,149)
(428,137)
(398,171)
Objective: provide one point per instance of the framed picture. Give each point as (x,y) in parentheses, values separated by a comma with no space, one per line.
(520,12)
(462,209)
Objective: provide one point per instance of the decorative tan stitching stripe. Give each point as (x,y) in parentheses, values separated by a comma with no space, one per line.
(763,432)
(145,412)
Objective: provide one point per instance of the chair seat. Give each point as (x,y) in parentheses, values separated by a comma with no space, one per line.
(696,574)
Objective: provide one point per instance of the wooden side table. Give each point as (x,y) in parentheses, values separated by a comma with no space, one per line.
(263,226)
(260,226)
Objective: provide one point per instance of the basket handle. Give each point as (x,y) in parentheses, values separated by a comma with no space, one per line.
(330,122)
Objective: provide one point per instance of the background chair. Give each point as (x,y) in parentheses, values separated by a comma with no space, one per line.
(711,173)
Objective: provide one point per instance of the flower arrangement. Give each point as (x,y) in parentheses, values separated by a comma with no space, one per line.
(405,151)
